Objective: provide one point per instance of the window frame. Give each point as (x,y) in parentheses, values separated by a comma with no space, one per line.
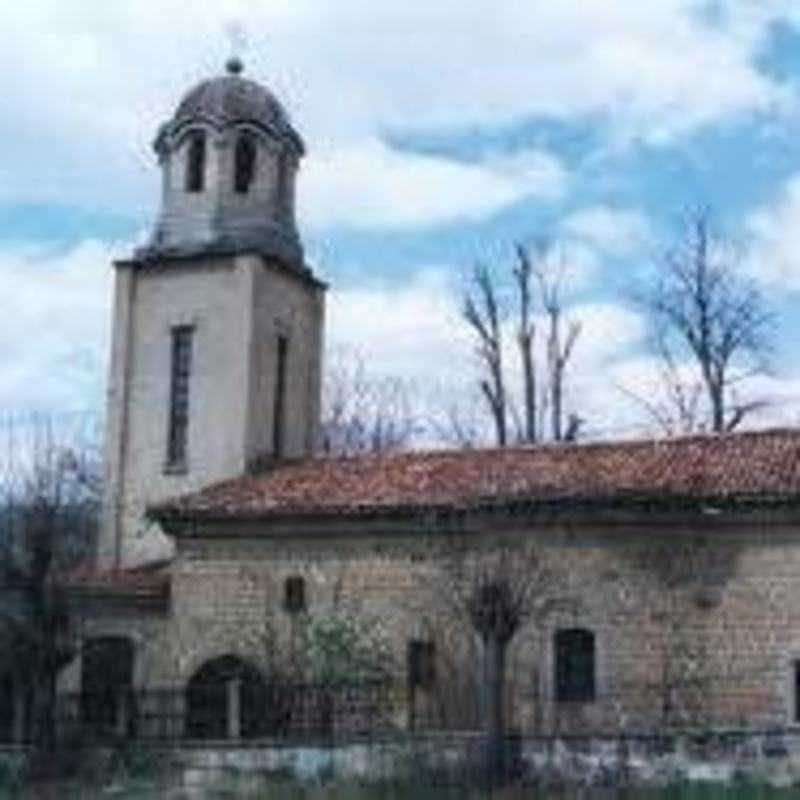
(279,400)
(574,665)
(196,158)
(245,159)
(295,599)
(179,411)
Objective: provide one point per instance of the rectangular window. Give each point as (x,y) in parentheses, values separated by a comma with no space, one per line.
(180,373)
(797,691)
(294,594)
(280,400)
(421,664)
(574,665)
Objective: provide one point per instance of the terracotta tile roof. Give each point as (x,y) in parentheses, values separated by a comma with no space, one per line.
(152,579)
(759,465)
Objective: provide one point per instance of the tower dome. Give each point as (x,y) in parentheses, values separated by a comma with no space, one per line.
(229,156)
(231,99)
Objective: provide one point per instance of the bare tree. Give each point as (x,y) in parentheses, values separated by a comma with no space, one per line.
(537,288)
(497,592)
(362,412)
(458,418)
(702,308)
(526,336)
(50,478)
(560,343)
(674,405)
(484,314)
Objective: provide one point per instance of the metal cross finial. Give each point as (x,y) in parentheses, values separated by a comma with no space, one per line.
(238,42)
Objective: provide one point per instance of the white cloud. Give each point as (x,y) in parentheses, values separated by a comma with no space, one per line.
(608,331)
(774,256)
(541,172)
(413,331)
(80,115)
(416,332)
(56,314)
(630,384)
(368,184)
(616,232)
(54,353)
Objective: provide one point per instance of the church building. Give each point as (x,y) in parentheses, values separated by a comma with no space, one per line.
(673,591)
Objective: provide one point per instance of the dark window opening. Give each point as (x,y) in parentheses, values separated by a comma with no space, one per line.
(208,700)
(179,395)
(797,691)
(421,664)
(574,665)
(294,595)
(280,391)
(196,162)
(244,163)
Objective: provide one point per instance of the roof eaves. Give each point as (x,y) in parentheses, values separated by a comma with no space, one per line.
(184,521)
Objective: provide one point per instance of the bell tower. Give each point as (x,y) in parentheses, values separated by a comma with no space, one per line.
(218,323)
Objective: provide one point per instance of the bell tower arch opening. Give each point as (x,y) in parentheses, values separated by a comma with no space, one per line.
(244,162)
(196,162)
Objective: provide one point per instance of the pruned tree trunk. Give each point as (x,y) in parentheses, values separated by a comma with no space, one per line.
(559,351)
(494,660)
(525,337)
(483,313)
(486,308)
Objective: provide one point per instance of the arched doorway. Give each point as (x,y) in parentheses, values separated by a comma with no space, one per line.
(210,700)
(107,684)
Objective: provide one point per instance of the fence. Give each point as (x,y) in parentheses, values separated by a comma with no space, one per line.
(232,710)
(237,709)
(755,702)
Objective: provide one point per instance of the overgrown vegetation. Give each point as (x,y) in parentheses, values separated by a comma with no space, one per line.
(346,648)
(50,488)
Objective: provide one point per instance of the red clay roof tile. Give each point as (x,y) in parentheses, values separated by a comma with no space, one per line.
(150,578)
(753,464)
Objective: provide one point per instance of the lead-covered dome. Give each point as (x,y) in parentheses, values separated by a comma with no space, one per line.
(229,158)
(230,100)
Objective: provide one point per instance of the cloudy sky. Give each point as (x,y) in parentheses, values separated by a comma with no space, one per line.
(439,134)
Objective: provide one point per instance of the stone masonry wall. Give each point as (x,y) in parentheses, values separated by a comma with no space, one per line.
(669,651)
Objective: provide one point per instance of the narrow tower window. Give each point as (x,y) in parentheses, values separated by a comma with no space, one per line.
(196,162)
(181,368)
(280,391)
(244,163)
(294,594)
(575,670)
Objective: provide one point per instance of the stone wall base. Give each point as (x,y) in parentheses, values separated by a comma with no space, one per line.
(766,758)
(659,760)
